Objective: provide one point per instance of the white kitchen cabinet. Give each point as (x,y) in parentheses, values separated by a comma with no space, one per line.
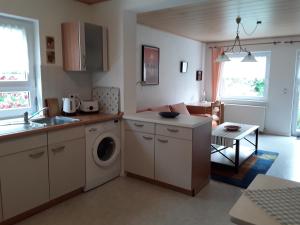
(24,181)
(139,153)
(179,154)
(66,161)
(173,161)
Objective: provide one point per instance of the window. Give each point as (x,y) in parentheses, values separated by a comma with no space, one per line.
(245,80)
(17,74)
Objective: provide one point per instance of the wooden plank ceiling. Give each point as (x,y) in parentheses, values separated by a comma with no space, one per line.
(90,2)
(214,20)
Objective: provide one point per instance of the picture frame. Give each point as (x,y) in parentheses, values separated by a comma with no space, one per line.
(50,43)
(150,65)
(50,57)
(199,74)
(183,66)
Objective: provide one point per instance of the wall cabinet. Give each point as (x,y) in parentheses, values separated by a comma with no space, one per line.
(139,157)
(175,156)
(24,181)
(85,47)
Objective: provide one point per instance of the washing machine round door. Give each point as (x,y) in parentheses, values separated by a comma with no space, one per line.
(106,149)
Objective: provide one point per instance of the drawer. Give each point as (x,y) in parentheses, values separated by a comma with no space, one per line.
(173,131)
(139,126)
(15,145)
(66,134)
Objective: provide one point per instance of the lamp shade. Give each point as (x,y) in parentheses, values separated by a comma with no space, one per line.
(249,58)
(222,58)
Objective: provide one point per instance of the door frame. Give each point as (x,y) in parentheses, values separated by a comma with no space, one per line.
(296,97)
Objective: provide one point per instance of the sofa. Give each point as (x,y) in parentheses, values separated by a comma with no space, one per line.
(215,111)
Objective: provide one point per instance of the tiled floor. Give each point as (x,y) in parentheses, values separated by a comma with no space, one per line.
(126,201)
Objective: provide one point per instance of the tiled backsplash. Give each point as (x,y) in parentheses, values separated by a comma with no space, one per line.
(109,99)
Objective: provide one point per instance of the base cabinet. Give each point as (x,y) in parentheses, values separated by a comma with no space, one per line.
(66,167)
(24,181)
(139,156)
(173,161)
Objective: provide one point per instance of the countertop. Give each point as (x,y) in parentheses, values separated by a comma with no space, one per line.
(180,121)
(20,130)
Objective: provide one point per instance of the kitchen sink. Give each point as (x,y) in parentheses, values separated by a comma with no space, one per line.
(57,120)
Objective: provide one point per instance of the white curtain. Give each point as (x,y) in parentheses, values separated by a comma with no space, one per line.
(13,51)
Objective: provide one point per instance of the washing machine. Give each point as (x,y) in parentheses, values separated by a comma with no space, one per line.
(103,153)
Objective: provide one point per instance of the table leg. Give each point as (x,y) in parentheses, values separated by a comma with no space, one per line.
(256,141)
(237,156)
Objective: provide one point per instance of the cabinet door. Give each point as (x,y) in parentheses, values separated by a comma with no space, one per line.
(66,167)
(139,153)
(24,181)
(173,161)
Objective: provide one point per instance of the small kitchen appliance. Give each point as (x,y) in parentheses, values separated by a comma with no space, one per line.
(89,106)
(70,105)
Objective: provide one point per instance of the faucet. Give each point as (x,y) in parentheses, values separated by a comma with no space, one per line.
(27,118)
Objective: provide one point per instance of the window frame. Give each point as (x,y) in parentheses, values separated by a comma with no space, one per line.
(262,99)
(29,85)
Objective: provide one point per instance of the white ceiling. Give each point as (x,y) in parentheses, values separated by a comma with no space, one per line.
(214,20)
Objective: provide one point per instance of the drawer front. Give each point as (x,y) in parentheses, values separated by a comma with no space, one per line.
(16,145)
(173,131)
(139,126)
(66,134)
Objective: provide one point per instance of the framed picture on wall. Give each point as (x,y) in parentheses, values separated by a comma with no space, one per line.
(150,65)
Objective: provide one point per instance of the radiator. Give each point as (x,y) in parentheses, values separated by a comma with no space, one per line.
(248,114)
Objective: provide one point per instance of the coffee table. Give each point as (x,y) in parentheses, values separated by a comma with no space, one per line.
(233,156)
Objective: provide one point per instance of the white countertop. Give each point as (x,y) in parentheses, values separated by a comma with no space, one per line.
(180,121)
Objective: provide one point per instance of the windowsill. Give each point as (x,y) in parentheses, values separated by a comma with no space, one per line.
(11,120)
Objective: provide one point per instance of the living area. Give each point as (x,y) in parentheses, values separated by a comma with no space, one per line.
(262,92)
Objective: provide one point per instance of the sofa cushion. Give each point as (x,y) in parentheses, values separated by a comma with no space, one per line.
(163,108)
(180,108)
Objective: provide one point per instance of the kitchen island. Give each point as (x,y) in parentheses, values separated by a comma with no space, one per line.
(174,153)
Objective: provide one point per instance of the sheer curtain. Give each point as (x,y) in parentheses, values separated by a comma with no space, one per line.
(14,51)
(216,69)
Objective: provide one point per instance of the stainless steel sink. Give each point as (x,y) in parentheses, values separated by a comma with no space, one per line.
(16,127)
(57,120)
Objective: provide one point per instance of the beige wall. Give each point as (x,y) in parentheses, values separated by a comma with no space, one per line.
(50,14)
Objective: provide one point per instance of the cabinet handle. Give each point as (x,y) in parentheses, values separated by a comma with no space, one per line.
(138,125)
(58,149)
(93,130)
(172,130)
(162,141)
(36,155)
(147,138)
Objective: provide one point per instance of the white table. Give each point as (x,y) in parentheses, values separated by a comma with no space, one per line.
(233,156)
(246,212)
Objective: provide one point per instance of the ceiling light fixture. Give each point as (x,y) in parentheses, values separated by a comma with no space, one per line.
(237,46)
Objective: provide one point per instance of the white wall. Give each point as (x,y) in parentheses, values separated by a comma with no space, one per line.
(174,87)
(50,14)
(281,83)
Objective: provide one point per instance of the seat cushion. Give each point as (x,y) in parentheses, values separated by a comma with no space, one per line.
(180,108)
(163,108)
